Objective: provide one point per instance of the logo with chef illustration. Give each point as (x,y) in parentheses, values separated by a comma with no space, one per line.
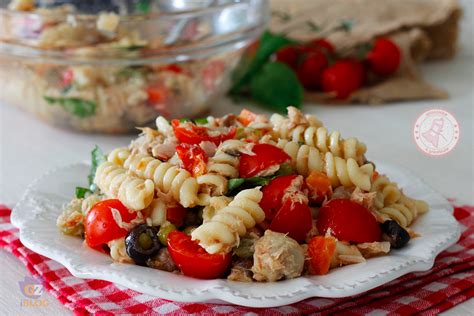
(32,289)
(436,132)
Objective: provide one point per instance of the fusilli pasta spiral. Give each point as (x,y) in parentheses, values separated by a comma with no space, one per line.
(404,211)
(340,171)
(226,161)
(167,178)
(133,192)
(319,137)
(221,233)
(118,156)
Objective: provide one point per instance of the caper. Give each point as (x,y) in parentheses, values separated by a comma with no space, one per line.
(163,233)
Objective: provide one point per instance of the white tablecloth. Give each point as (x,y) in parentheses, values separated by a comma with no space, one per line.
(28,148)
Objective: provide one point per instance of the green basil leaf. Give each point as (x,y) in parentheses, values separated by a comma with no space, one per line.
(77,106)
(97,157)
(269,43)
(277,86)
(285,169)
(81,192)
(238,184)
(202,120)
(235,183)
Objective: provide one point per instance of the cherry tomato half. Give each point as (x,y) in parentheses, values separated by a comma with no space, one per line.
(193,158)
(100,226)
(176,215)
(348,221)
(266,155)
(273,194)
(293,218)
(190,133)
(193,260)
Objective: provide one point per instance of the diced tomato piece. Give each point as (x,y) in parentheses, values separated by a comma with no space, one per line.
(293,218)
(265,156)
(193,157)
(273,194)
(348,221)
(319,186)
(320,252)
(156,94)
(193,260)
(174,68)
(176,215)
(246,117)
(190,133)
(100,225)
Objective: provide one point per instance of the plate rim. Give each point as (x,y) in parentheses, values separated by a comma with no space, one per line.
(219,291)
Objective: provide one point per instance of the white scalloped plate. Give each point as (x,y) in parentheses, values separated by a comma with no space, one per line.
(35,215)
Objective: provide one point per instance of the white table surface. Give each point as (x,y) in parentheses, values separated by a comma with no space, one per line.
(28,148)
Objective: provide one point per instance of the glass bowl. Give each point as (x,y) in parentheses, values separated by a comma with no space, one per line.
(109,65)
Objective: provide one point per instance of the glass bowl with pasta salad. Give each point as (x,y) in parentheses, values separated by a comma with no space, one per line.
(109,66)
(244,197)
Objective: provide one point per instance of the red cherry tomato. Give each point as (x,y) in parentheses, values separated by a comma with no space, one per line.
(348,221)
(190,133)
(384,59)
(310,69)
(266,155)
(343,77)
(193,158)
(324,44)
(100,226)
(273,194)
(193,260)
(288,55)
(293,218)
(176,215)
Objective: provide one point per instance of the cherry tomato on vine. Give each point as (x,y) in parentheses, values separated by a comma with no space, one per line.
(348,221)
(310,69)
(324,44)
(384,58)
(193,260)
(288,55)
(343,77)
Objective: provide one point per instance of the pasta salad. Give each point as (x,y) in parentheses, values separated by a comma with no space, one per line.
(244,197)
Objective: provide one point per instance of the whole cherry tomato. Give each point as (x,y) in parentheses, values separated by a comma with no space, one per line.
(193,260)
(190,133)
(265,156)
(288,55)
(293,218)
(193,158)
(100,226)
(348,221)
(384,58)
(310,69)
(324,44)
(273,193)
(343,77)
